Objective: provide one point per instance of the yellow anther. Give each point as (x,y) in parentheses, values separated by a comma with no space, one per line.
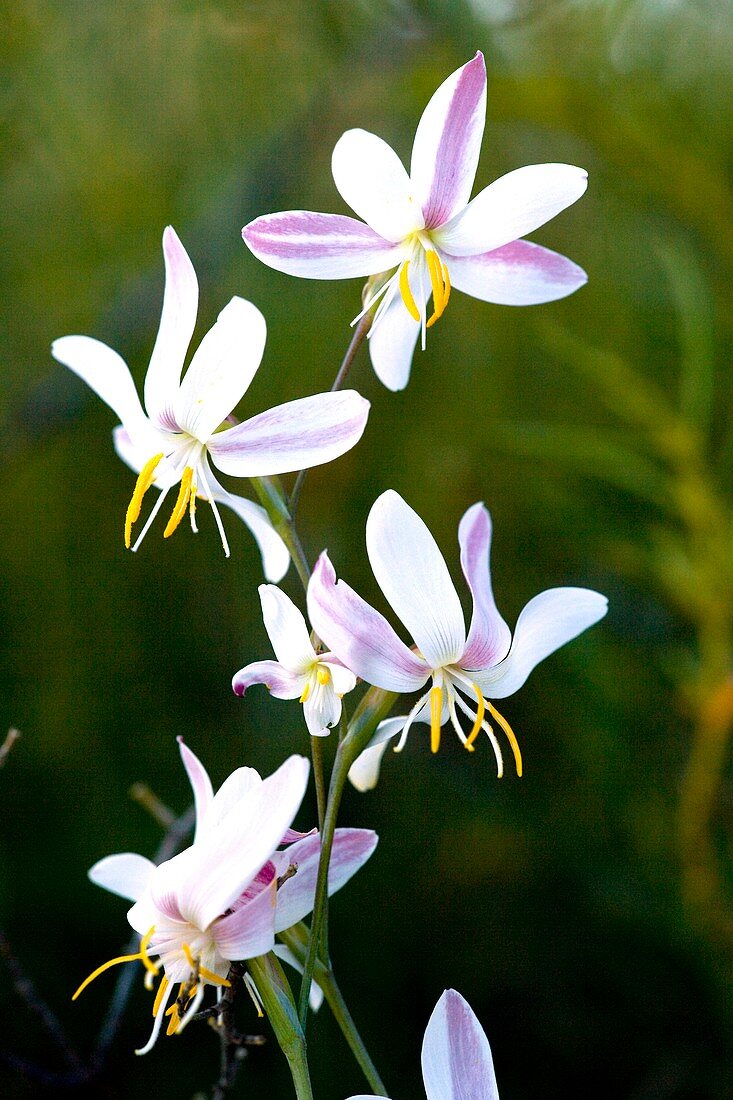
(480,712)
(510,736)
(144,480)
(323,675)
(160,995)
(175,1020)
(406,293)
(306,693)
(189,957)
(179,509)
(440,282)
(436,710)
(141,956)
(209,976)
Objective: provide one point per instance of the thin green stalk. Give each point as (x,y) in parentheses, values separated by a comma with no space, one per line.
(374,706)
(274,991)
(296,939)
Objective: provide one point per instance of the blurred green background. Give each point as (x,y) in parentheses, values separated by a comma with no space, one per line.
(584,911)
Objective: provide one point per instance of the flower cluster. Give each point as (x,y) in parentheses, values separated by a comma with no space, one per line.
(239,892)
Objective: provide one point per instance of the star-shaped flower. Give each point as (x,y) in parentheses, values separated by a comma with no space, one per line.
(318,680)
(424,226)
(185,424)
(465,671)
(224,898)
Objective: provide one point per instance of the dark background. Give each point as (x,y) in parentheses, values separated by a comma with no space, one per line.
(584,911)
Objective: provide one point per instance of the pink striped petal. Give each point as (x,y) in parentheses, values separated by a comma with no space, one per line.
(203,792)
(351,849)
(448,142)
(489,636)
(456,1056)
(511,207)
(319,246)
(294,436)
(547,622)
(359,635)
(519,274)
(177,322)
(278,681)
(249,930)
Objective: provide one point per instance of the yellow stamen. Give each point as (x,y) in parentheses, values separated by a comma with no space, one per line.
(179,509)
(323,675)
(189,957)
(175,1019)
(192,504)
(436,709)
(160,995)
(141,956)
(510,736)
(306,693)
(440,281)
(481,711)
(406,293)
(144,480)
(213,978)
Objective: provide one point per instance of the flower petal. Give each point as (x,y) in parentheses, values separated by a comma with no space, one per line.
(319,246)
(519,274)
(230,855)
(343,678)
(359,635)
(392,344)
(448,143)
(364,772)
(177,322)
(287,629)
(198,777)
(275,554)
(125,874)
(456,1056)
(412,573)
(221,370)
(546,623)
(108,375)
(511,207)
(293,436)
(278,680)
(489,636)
(372,179)
(315,996)
(250,929)
(322,710)
(351,849)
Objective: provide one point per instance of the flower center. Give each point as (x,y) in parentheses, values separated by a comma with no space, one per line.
(439,282)
(321,676)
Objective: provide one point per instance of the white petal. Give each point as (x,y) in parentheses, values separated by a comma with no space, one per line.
(125,874)
(275,554)
(364,772)
(198,777)
(320,246)
(237,794)
(344,679)
(372,180)
(108,375)
(351,849)
(412,573)
(546,623)
(392,344)
(456,1056)
(322,710)
(225,363)
(518,274)
(511,207)
(448,143)
(287,630)
(489,636)
(315,997)
(177,322)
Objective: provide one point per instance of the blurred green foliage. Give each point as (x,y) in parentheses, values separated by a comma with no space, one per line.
(584,911)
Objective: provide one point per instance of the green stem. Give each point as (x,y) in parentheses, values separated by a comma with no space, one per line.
(296,939)
(374,706)
(274,991)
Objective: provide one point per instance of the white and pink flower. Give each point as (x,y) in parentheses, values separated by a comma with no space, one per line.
(228,895)
(186,421)
(456,1056)
(318,680)
(465,670)
(424,226)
